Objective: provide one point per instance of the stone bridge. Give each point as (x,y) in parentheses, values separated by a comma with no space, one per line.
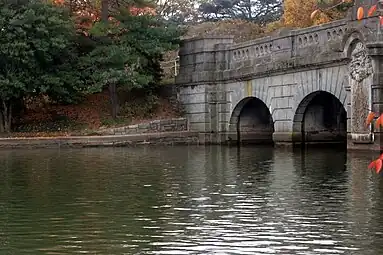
(304,86)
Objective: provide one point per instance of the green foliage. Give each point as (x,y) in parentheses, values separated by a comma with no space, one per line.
(129,50)
(41,54)
(110,122)
(258,11)
(37,54)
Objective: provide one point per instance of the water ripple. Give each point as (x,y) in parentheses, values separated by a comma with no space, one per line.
(188,201)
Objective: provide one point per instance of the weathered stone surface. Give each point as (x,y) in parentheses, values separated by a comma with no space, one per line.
(340,62)
(166,125)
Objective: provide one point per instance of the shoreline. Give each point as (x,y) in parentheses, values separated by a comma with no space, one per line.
(169,138)
(159,138)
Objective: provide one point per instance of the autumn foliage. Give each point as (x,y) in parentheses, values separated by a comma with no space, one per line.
(377,164)
(306,13)
(88,13)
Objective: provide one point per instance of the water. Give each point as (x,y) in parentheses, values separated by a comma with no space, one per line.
(189,200)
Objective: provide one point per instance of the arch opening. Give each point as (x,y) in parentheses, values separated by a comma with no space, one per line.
(251,122)
(320,118)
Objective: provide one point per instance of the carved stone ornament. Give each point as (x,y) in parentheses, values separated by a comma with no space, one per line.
(361,64)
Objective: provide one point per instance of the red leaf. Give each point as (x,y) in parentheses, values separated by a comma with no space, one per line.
(381,20)
(381,156)
(371,11)
(372,165)
(369,118)
(378,165)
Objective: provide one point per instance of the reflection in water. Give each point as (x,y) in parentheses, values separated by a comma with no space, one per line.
(189,200)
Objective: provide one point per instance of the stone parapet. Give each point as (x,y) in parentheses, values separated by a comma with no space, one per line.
(215,59)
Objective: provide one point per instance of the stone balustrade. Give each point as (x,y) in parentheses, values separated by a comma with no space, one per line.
(218,58)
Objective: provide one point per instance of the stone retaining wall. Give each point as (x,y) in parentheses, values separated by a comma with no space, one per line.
(160,138)
(166,125)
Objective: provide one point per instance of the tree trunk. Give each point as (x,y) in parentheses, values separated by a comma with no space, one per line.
(112,87)
(104,10)
(114,100)
(6,117)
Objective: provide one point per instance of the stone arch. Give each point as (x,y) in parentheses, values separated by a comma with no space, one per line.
(350,39)
(333,80)
(251,122)
(320,117)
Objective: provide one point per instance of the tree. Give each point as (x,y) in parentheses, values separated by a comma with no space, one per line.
(259,11)
(90,14)
(37,55)
(129,49)
(178,11)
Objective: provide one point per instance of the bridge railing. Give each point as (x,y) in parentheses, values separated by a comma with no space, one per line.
(209,59)
(296,43)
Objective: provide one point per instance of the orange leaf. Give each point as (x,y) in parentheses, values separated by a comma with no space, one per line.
(372,165)
(360,13)
(314,14)
(378,122)
(381,120)
(372,10)
(378,165)
(370,117)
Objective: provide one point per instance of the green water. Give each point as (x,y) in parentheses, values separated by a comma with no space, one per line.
(189,200)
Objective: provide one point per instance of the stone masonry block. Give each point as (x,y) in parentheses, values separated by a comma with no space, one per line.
(195,108)
(279,114)
(286,90)
(144,126)
(283,102)
(165,122)
(119,130)
(194,89)
(198,127)
(169,127)
(199,117)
